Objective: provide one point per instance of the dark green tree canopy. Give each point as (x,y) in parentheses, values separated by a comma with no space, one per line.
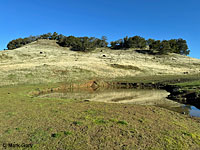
(54,36)
(150,42)
(182,47)
(178,46)
(82,43)
(129,42)
(136,42)
(164,47)
(75,43)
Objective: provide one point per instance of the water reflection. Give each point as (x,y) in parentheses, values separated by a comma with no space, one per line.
(130,96)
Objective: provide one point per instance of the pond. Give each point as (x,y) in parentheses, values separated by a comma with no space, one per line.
(129,96)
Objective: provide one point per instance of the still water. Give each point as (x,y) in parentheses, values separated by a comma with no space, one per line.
(128,96)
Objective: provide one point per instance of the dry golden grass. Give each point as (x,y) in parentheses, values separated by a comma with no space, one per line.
(44,61)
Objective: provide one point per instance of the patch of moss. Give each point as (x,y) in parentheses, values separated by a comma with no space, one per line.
(67,133)
(59,134)
(39,136)
(77,123)
(176,143)
(122,122)
(195,137)
(100,121)
(91,112)
(8,131)
(55,135)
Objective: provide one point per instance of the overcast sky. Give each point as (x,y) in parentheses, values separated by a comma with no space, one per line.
(115,19)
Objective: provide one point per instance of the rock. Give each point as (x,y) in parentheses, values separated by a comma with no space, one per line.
(183,113)
(86,100)
(184,100)
(136,84)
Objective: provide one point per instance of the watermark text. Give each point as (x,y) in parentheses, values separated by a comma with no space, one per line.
(16,145)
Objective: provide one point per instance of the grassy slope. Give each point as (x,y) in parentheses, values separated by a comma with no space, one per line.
(57,64)
(68,124)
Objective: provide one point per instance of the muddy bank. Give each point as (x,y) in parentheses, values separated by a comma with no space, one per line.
(179,94)
(176,92)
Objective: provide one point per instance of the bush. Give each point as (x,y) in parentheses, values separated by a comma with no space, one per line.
(131,42)
(82,43)
(164,47)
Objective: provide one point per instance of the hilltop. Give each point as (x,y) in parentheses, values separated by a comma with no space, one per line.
(44,61)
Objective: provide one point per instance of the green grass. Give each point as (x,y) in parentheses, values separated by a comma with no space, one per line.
(122,122)
(77,123)
(189,84)
(59,134)
(100,121)
(12,76)
(62,124)
(168,79)
(193,86)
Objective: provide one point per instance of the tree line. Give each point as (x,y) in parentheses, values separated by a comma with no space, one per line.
(178,46)
(82,43)
(90,43)
(75,43)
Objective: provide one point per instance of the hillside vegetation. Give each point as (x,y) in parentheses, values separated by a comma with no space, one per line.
(85,43)
(44,61)
(80,124)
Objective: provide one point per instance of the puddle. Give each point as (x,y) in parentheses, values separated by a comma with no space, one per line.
(129,96)
(194,111)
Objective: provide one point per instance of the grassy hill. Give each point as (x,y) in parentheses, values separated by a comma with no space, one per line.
(68,124)
(44,61)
